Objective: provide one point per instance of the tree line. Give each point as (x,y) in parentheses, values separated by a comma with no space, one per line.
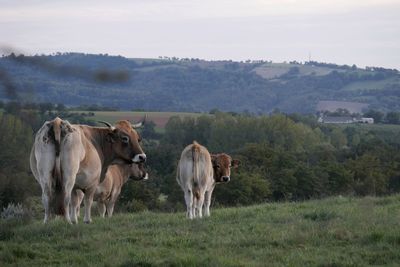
(283,158)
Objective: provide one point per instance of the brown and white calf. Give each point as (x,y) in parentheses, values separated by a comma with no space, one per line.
(65,157)
(198,173)
(108,191)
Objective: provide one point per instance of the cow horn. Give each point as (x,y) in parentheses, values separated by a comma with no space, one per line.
(140,124)
(107,124)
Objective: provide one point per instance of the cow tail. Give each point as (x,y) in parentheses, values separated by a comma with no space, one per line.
(59,187)
(196,178)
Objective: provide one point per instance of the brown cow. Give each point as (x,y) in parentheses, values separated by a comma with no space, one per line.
(66,156)
(107,192)
(198,173)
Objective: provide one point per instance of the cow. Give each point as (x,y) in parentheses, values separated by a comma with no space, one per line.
(107,192)
(198,173)
(65,156)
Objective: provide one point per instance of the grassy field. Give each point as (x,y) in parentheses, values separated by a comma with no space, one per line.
(274,70)
(337,231)
(353,107)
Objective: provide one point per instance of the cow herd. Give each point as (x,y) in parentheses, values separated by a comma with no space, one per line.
(75,163)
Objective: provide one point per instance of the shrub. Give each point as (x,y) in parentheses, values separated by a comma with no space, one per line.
(14,211)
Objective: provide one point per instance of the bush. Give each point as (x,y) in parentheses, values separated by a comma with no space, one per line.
(14,211)
(134,206)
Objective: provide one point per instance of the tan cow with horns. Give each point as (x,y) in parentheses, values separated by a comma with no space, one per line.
(65,156)
(198,173)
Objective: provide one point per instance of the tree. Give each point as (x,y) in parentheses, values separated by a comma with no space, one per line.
(369,178)
(61,107)
(43,107)
(16,139)
(375,114)
(393,117)
(338,138)
(149,131)
(13,108)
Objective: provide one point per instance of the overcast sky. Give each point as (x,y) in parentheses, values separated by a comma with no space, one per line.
(361,32)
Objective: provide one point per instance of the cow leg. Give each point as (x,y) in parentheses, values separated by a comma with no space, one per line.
(46,196)
(199,205)
(189,203)
(101,206)
(207,202)
(78,210)
(111,202)
(88,200)
(68,186)
(194,206)
(80,195)
(110,208)
(74,207)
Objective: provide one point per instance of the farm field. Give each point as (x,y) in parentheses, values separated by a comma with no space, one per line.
(274,70)
(339,231)
(332,106)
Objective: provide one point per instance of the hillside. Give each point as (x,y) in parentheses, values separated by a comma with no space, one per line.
(194,85)
(338,231)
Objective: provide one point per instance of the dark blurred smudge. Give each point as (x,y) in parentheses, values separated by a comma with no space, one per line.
(9,85)
(46,65)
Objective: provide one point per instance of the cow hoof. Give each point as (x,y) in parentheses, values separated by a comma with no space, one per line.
(87,222)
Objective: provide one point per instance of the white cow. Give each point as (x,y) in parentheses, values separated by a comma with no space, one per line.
(198,173)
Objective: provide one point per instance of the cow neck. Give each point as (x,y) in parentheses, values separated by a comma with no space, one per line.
(124,171)
(103,147)
(215,180)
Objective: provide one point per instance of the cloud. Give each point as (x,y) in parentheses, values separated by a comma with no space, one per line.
(362,32)
(161,10)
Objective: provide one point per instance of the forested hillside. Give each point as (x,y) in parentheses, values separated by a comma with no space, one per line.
(195,85)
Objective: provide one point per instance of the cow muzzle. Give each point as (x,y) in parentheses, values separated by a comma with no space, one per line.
(142,177)
(139,158)
(226,179)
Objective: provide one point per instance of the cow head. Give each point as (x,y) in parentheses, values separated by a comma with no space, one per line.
(137,172)
(125,141)
(222,164)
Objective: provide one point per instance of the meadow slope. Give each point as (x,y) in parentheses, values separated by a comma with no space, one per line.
(337,231)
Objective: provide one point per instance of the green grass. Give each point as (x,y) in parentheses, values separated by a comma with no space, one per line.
(337,231)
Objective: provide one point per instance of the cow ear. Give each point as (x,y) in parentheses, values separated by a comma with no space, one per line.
(214,160)
(112,136)
(235,163)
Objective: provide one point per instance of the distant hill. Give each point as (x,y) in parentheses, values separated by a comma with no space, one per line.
(193,85)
